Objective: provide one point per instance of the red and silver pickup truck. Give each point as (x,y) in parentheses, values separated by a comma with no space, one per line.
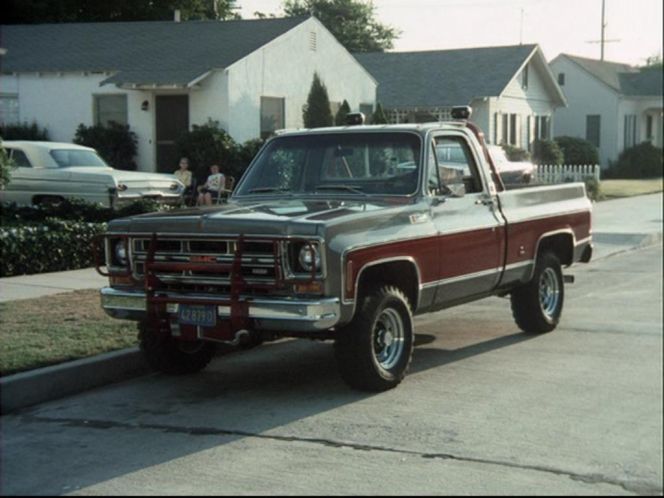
(345,233)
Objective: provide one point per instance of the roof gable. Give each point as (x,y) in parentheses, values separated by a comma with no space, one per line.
(622,78)
(156,52)
(443,78)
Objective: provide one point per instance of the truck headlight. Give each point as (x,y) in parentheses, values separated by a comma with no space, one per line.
(309,257)
(120,252)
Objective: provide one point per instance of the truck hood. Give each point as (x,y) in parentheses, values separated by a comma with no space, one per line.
(271,217)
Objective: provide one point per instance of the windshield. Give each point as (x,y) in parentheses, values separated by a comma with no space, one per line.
(346,163)
(77,157)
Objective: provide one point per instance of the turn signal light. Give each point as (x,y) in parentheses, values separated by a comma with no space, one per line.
(121,280)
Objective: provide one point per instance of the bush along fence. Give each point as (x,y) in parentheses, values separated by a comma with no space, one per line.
(563,173)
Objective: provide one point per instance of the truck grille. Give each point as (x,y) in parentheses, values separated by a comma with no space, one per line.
(258,261)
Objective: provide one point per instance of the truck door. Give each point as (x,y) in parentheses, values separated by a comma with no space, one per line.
(471,231)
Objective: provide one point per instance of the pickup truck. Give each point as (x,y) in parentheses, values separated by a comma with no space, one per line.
(344,234)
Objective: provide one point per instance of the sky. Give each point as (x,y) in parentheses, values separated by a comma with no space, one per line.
(556,25)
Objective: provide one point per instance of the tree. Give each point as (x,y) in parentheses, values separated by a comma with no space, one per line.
(44,11)
(340,118)
(352,22)
(379,115)
(316,112)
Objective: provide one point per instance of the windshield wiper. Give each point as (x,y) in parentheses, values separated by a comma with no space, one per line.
(349,188)
(268,189)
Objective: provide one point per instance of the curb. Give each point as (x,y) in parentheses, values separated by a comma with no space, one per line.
(44,384)
(612,243)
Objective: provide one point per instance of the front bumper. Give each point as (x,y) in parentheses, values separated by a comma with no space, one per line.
(295,315)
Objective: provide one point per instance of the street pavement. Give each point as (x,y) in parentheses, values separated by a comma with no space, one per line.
(618,225)
(485,409)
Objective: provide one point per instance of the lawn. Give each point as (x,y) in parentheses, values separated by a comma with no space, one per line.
(52,329)
(613,189)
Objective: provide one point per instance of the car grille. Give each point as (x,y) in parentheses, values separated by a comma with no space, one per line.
(258,262)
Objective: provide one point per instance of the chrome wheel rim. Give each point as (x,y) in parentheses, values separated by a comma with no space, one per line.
(388,338)
(549,292)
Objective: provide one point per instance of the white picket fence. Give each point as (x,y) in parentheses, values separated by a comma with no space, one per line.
(563,173)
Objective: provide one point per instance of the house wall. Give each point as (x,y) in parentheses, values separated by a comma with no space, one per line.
(284,68)
(588,96)
(533,101)
(209,101)
(641,108)
(60,102)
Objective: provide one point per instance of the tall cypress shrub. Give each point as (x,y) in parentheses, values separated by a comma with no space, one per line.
(316,112)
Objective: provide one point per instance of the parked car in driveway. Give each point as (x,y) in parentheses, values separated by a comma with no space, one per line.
(51,171)
(511,172)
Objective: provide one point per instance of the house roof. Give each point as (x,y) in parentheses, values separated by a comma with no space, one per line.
(623,78)
(162,53)
(443,78)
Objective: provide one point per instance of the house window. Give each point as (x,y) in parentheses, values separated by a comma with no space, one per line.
(514,129)
(528,131)
(9,109)
(542,127)
(649,133)
(109,108)
(272,115)
(561,79)
(593,129)
(630,130)
(505,129)
(524,78)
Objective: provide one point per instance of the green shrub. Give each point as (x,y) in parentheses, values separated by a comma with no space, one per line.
(76,210)
(641,161)
(54,245)
(316,112)
(116,143)
(24,131)
(577,150)
(515,153)
(379,115)
(243,156)
(340,118)
(206,145)
(547,152)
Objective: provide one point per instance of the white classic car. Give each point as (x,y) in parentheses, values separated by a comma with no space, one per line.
(47,172)
(511,172)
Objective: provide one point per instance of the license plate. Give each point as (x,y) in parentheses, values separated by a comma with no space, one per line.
(203,315)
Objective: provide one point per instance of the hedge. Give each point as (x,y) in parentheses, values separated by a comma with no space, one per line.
(641,161)
(577,150)
(54,245)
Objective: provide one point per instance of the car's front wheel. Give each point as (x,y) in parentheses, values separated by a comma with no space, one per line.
(374,350)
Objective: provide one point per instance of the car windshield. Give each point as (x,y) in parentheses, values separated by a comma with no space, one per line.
(77,157)
(344,163)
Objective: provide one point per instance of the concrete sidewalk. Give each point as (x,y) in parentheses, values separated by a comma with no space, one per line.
(618,225)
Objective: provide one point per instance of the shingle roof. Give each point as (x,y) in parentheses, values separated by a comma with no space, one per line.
(157,52)
(443,77)
(623,78)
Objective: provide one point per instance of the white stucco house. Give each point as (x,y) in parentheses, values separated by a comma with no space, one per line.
(613,105)
(511,89)
(160,78)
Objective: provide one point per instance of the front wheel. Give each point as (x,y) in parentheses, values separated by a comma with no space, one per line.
(167,354)
(374,350)
(538,305)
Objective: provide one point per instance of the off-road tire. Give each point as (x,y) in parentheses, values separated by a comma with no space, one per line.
(357,348)
(167,354)
(537,306)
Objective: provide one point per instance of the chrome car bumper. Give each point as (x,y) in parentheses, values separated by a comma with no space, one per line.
(297,315)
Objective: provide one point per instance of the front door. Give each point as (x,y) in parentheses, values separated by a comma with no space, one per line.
(471,233)
(172,114)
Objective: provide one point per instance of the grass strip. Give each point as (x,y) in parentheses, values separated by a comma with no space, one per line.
(52,329)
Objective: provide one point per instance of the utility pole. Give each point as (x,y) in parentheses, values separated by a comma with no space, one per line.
(521,29)
(603,39)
